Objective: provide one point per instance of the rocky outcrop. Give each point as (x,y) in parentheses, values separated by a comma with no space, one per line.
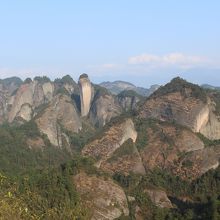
(125,160)
(105,199)
(211,129)
(128,100)
(159,198)
(102,148)
(86,94)
(171,147)
(189,106)
(189,112)
(205,159)
(60,113)
(103,109)
(28,97)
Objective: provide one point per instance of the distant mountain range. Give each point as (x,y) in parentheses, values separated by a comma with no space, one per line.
(207,86)
(118,86)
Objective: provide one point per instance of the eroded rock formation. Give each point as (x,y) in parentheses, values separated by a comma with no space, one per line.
(102,149)
(86,94)
(60,112)
(106,200)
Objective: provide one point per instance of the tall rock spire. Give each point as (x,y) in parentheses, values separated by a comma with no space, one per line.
(86,93)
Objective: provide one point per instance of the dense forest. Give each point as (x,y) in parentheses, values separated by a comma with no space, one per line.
(37,184)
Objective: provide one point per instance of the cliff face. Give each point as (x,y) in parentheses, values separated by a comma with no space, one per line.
(60,113)
(28,97)
(175,148)
(103,109)
(102,148)
(128,103)
(86,94)
(185,108)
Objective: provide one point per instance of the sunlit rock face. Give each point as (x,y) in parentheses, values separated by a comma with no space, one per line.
(112,139)
(61,112)
(86,94)
(28,97)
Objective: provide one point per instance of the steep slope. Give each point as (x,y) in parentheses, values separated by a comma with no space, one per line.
(128,99)
(104,107)
(185,103)
(86,94)
(102,148)
(60,113)
(28,97)
(175,148)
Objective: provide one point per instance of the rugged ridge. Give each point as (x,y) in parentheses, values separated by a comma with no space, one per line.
(60,114)
(186,104)
(102,149)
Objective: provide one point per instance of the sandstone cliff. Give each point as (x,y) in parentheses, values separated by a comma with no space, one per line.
(28,97)
(86,94)
(102,148)
(104,107)
(60,113)
(186,104)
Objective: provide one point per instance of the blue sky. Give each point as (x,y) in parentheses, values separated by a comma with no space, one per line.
(144,42)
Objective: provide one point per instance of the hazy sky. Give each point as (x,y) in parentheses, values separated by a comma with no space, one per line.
(140,41)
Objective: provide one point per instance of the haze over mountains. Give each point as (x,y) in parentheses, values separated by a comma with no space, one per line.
(107,152)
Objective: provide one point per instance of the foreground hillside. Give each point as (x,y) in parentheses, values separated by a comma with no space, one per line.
(75,151)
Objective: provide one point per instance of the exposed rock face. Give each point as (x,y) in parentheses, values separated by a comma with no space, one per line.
(205,159)
(60,112)
(126,162)
(28,97)
(159,198)
(128,103)
(185,109)
(48,89)
(106,199)
(102,149)
(189,112)
(211,129)
(86,94)
(170,147)
(103,109)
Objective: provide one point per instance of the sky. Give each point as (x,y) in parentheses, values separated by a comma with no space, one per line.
(143,41)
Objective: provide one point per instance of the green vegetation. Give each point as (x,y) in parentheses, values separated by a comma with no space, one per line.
(84,75)
(141,126)
(127,148)
(203,195)
(129,93)
(15,80)
(44,194)
(215,96)
(42,79)
(207,142)
(62,91)
(15,155)
(100,91)
(181,85)
(65,80)
(27,81)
